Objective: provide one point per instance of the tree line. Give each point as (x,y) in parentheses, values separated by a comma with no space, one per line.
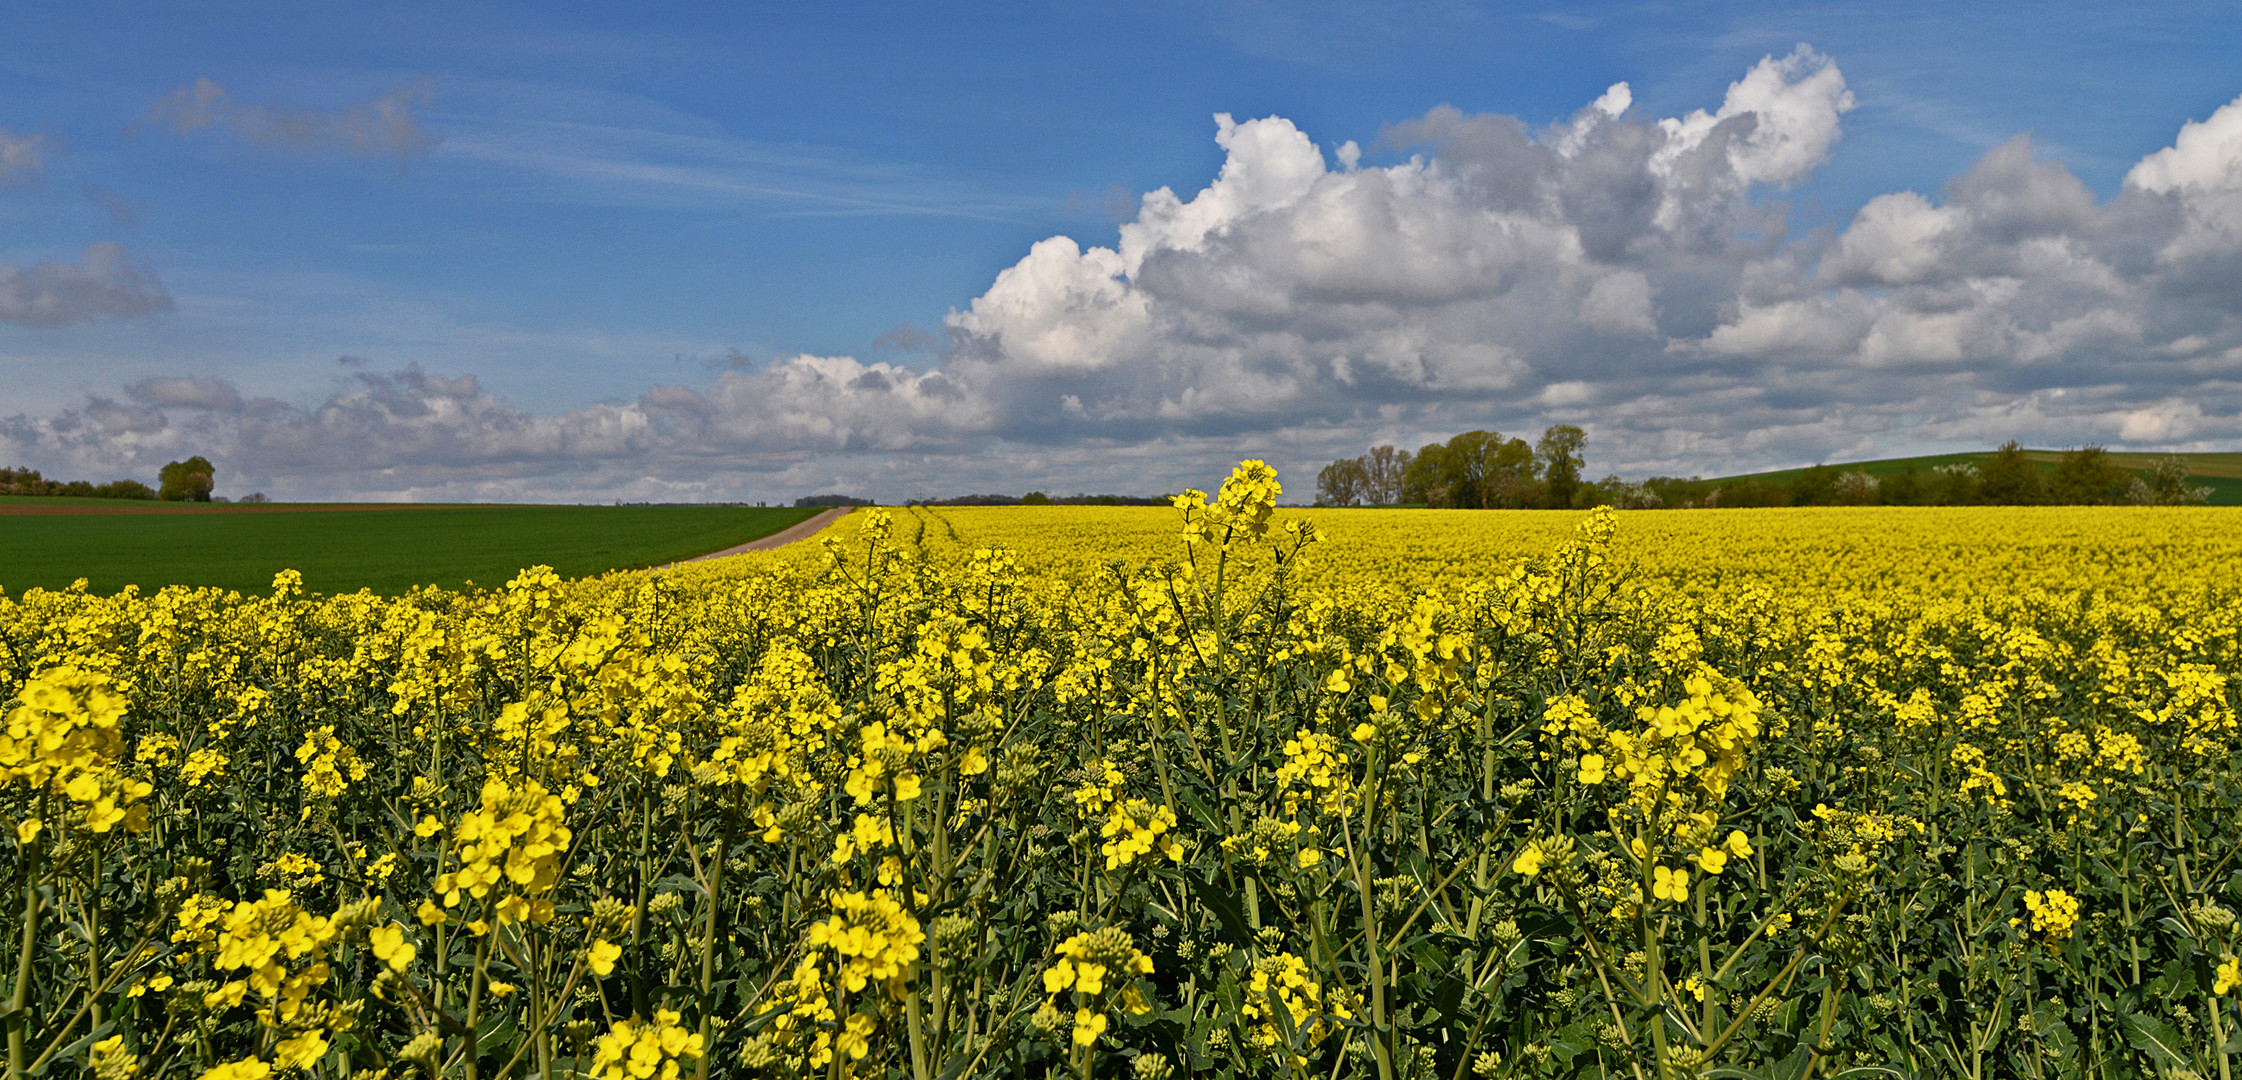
(192,480)
(1484,470)
(1479,470)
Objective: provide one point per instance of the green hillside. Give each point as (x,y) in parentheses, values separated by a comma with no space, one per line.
(2222,473)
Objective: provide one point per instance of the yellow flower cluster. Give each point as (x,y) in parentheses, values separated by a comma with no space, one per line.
(1243,510)
(1092,966)
(63,738)
(2052,913)
(1685,755)
(512,846)
(1135,828)
(637,1050)
(329,766)
(1316,773)
(1312,1011)
(282,952)
(872,937)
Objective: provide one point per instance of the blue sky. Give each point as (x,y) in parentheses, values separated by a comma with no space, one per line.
(626,224)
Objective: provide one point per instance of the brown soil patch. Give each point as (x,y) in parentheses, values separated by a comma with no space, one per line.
(9,507)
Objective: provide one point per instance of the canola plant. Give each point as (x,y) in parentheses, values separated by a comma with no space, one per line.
(1218,790)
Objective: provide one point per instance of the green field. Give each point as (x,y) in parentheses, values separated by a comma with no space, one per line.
(2222,473)
(48,543)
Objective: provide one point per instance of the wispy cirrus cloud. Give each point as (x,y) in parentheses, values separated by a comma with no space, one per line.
(382,127)
(564,145)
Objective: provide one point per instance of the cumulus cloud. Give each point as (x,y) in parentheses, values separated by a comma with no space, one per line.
(22,158)
(384,126)
(1627,272)
(102,284)
(412,429)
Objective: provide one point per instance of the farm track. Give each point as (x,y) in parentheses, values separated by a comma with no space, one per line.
(778,539)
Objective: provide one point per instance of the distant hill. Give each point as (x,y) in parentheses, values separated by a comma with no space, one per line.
(2222,473)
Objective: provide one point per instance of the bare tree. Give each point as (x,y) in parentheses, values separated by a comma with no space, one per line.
(1382,470)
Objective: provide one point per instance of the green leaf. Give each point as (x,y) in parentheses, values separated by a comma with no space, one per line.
(1794,1066)
(1198,809)
(1227,908)
(2155,1038)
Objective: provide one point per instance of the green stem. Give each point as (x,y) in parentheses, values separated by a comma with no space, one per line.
(20,1002)
(708,953)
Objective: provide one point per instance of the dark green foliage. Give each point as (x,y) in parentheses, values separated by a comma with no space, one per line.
(1558,457)
(1814,487)
(1477,470)
(125,489)
(30,482)
(1424,481)
(2010,478)
(2088,476)
(1903,488)
(1342,483)
(191,480)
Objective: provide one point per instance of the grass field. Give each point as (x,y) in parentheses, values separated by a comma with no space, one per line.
(48,543)
(2222,473)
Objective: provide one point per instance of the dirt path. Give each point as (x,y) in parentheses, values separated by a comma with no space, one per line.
(780,538)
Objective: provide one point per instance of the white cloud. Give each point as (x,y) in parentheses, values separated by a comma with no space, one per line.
(2207,155)
(2164,422)
(1061,309)
(1893,241)
(1775,126)
(1617,270)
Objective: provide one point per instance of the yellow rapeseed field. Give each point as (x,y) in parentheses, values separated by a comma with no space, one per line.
(1220,789)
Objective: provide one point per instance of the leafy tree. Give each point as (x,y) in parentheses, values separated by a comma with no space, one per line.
(1425,478)
(2088,475)
(2010,478)
(187,481)
(125,489)
(1901,489)
(1814,487)
(1035,498)
(1737,494)
(1485,470)
(1342,483)
(1558,458)
(1953,485)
